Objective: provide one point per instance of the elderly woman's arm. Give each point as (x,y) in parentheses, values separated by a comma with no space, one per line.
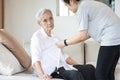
(70,61)
(40,72)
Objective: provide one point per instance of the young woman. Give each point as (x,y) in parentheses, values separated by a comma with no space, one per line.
(98,21)
(47,59)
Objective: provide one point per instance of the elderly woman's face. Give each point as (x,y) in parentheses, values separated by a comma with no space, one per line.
(47,21)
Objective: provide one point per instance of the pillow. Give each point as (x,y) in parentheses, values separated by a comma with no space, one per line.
(8,63)
(14,46)
(92,63)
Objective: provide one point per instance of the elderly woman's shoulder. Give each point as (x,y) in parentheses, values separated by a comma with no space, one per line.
(36,34)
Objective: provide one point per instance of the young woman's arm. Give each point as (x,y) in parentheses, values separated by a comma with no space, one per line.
(79,37)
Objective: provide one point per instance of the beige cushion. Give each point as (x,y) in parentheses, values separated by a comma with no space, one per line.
(10,42)
(93,63)
(91,50)
(117,72)
(76,52)
(8,63)
(119,61)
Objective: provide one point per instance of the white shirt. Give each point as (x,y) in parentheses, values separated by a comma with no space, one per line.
(100,21)
(44,49)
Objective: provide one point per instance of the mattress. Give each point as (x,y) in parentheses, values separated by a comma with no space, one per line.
(21,76)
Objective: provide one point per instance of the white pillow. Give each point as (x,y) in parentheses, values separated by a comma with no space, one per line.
(8,63)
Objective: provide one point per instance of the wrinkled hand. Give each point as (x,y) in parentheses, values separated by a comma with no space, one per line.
(60,44)
(46,77)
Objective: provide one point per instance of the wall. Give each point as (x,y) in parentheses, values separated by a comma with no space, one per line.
(65,26)
(20,16)
(0,13)
(20,19)
(117,7)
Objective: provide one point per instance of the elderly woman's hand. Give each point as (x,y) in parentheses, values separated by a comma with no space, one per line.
(46,77)
(60,44)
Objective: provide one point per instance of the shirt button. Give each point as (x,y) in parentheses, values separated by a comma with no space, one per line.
(58,72)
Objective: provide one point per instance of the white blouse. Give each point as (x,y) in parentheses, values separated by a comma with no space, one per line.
(44,49)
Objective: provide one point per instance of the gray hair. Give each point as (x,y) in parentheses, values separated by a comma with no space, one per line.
(41,12)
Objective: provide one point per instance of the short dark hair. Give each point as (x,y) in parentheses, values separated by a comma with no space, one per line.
(68,1)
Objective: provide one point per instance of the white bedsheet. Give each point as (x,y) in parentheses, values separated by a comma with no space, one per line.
(21,76)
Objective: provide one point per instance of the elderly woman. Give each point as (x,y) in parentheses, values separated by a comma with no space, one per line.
(46,56)
(47,59)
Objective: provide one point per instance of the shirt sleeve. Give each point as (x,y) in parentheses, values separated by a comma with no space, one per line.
(82,18)
(65,56)
(35,50)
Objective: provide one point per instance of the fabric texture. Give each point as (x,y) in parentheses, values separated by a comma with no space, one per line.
(8,63)
(14,46)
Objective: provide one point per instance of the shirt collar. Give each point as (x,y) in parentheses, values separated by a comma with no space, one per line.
(78,10)
(44,33)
